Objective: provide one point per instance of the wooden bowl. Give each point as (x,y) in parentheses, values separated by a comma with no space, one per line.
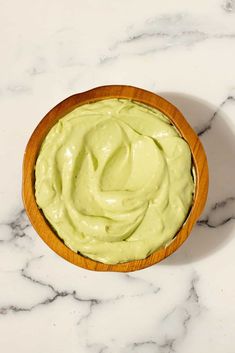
(115,91)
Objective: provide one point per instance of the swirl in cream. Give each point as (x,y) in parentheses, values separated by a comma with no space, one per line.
(114,180)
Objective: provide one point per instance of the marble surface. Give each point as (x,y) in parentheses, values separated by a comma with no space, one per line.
(183,50)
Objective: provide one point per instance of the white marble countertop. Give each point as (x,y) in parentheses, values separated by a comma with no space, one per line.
(183,50)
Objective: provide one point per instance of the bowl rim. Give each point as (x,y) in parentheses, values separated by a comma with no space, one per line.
(38,220)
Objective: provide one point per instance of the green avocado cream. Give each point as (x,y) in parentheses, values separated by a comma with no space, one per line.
(114,179)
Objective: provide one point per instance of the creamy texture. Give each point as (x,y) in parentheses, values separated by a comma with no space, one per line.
(114,179)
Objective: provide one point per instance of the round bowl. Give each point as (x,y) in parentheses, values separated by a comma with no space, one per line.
(36,216)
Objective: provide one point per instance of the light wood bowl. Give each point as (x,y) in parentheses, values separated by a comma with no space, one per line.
(36,216)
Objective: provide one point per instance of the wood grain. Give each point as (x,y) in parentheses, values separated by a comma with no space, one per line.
(115,91)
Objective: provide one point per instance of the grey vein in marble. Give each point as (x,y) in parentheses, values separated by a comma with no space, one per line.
(165,32)
(189,309)
(208,125)
(95,302)
(100,348)
(184,313)
(55,293)
(89,312)
(152,287)
(18,89)
(228,6)
(17,226)
(220,213)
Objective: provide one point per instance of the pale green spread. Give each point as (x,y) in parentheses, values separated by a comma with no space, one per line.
(114,179)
